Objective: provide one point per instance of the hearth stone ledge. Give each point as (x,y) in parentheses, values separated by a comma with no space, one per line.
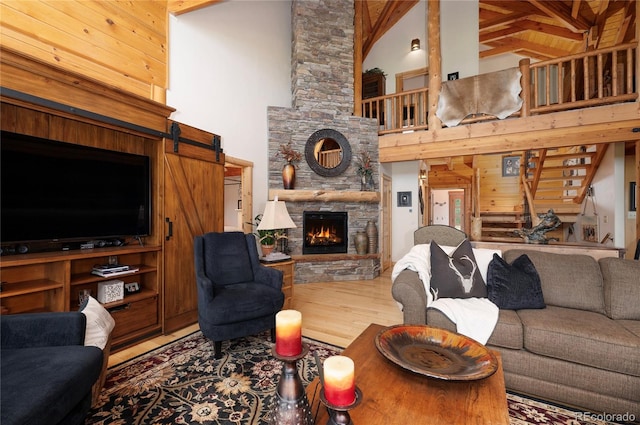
(339,270)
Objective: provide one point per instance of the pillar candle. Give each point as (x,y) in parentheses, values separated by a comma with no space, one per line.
(288,333)
(339,382)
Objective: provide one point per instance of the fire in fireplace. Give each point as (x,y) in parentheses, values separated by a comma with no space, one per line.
(324,232)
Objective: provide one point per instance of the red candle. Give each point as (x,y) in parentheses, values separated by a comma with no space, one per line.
(339,382)
(288,333)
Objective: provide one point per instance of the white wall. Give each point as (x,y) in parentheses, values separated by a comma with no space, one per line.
(404,221)
(392,53)
(227,63)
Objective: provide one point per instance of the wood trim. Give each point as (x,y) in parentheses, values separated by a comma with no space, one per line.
(33,77)
(605,124)
(323,195)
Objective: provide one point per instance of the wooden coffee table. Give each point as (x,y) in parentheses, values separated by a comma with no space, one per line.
(393,395)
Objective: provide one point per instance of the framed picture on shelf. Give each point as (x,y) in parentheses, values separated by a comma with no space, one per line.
(510,166)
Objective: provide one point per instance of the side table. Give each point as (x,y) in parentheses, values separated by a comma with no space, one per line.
(286,267)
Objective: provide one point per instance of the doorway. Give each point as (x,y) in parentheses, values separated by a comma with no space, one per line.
(238,202)
(450,207)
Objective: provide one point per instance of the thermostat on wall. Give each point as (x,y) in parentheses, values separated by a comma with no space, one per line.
(404,199)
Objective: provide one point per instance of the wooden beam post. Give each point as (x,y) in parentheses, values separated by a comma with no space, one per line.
(435,63)
(357,58)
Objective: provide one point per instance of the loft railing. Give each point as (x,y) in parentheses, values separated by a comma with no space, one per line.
(593,78)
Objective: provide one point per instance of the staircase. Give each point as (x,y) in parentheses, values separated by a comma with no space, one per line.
(558,179)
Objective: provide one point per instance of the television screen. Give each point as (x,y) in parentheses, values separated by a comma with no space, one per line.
(54,191)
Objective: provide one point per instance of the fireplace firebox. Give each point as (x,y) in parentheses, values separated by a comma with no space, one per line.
(325,232)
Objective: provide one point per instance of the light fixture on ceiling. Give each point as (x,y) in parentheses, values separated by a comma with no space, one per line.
(415,44)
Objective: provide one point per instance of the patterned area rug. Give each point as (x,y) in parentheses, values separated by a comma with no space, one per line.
(182,383)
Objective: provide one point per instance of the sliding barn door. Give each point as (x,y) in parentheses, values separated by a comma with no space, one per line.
(193,205)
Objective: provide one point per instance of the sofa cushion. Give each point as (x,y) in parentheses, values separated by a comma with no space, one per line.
(41,385)
(514,286)
(508,332)
(456,275)
(621,280)
(632,326)
(99,323)
(572,281)
(583,337)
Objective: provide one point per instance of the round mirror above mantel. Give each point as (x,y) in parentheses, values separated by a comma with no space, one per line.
(328,152)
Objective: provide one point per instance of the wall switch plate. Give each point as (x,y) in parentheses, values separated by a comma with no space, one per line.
(631,215)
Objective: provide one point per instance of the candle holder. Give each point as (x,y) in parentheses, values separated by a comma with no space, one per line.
(339,415)
(291,406)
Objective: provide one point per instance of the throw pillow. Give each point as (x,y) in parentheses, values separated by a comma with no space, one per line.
(99,323)
(456,275)
(514,286)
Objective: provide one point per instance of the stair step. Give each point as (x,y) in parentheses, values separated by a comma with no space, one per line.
(500,239)
(500,229)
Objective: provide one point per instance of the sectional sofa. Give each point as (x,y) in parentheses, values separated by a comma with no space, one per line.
(582,349)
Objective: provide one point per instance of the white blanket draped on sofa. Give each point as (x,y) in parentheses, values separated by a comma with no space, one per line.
(474,317)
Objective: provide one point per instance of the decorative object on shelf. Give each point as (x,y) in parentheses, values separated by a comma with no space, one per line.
(110,291)
(339,415)
(291,156)
(288,333)
(364,168)
(290,407)
(546,223)
(436,353)
(372,233)
(288,176)
(275,220)
(328,152)
(362,242)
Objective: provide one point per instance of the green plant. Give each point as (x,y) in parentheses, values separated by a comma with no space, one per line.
(265,237)
(375,70)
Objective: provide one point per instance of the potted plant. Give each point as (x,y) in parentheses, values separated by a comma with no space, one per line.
(266,238)
(291,156)
(364,168)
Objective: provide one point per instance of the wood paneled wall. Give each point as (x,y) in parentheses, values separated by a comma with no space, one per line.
(120,43)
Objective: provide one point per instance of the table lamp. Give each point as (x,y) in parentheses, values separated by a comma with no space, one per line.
(276,217)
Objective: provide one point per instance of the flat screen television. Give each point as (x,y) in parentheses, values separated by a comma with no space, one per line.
(54,191)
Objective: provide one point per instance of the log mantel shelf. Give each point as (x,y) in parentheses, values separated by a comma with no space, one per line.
(320,195)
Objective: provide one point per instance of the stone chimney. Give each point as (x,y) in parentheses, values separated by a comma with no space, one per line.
(323,98)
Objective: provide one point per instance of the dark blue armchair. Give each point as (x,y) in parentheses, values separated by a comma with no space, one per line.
(46,372)
(237,296)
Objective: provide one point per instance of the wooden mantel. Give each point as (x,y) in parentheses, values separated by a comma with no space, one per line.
(320,195)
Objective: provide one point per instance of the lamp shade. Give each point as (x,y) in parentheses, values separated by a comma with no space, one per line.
(276,216)
(415,44)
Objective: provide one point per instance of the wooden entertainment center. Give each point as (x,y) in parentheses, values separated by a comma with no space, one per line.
(187,174)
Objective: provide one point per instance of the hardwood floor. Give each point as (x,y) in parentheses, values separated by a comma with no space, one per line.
(333,312)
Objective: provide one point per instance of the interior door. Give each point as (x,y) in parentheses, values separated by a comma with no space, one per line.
(456,210)
(385,248)
(193,205)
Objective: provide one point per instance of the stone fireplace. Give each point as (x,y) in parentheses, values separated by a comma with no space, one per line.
(323,98)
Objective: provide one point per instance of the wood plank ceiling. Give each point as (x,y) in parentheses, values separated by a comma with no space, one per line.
(538,29)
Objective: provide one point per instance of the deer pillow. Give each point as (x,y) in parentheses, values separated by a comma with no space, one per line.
(456,275)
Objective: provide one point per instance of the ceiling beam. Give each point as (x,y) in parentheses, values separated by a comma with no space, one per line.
(178,7)
(558,10)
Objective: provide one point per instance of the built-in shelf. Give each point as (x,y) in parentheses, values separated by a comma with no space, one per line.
(320,195)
